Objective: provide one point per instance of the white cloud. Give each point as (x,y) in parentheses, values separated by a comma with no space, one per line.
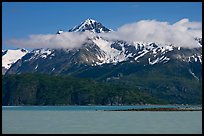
(181,33)
(64,40)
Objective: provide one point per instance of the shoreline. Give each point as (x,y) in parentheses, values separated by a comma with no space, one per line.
(103,108)
(160,109)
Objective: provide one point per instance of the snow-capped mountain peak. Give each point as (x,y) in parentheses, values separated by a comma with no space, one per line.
(89,21)
(90,25)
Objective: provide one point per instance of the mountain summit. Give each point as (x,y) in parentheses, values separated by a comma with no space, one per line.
(90,25)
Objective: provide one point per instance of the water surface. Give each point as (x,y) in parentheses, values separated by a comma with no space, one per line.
(60,120)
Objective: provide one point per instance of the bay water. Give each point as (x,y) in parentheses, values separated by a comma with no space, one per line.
(94,120)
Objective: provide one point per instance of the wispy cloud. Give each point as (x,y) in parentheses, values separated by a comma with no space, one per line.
(64,40)
(181,33)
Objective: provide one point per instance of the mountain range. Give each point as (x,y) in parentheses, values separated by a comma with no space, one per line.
(169,72)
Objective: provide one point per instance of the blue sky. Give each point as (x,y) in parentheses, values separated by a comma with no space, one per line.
(21,19)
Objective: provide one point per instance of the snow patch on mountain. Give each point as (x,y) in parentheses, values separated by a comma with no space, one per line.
(11,56)
(195,58)
(193,74)
(110,55)
(41,53)
(59,32)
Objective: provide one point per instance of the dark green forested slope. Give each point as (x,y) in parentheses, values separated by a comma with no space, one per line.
(41,89)
(172,82)
(176,82)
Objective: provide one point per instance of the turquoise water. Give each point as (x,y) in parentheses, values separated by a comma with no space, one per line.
(91,120)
